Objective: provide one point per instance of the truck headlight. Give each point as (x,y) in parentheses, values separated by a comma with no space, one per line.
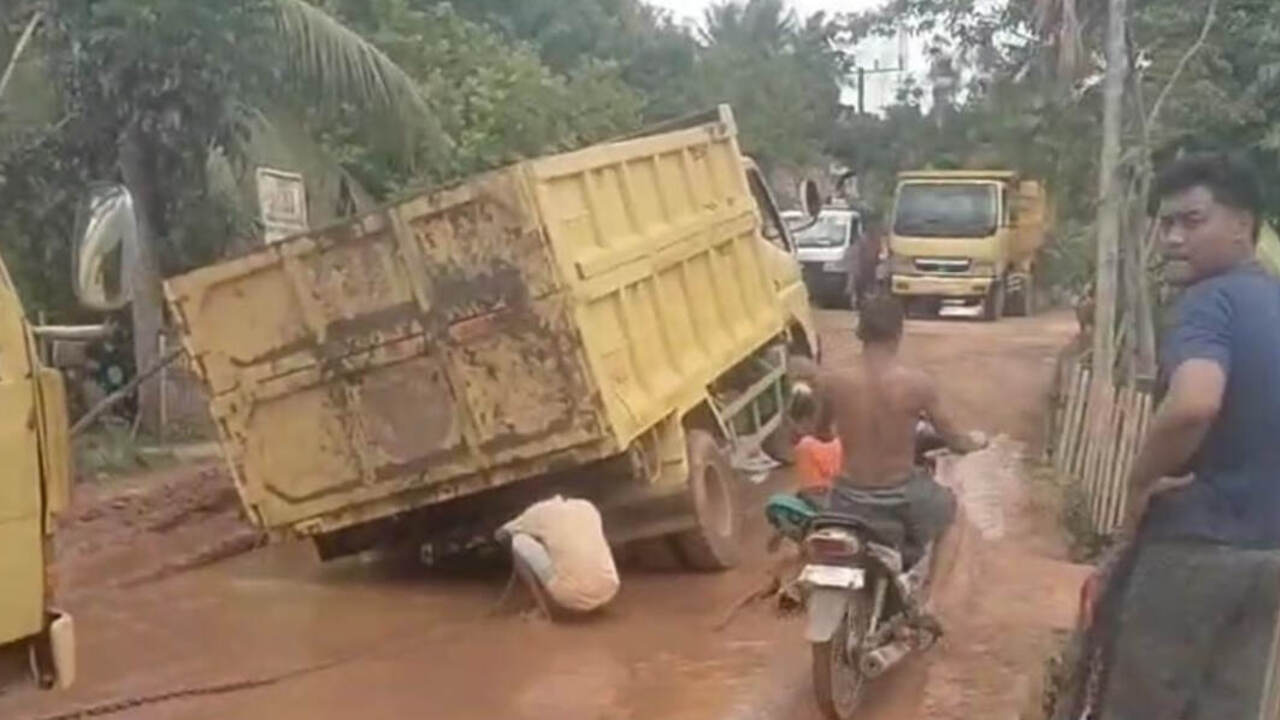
(901,265)
(983,269)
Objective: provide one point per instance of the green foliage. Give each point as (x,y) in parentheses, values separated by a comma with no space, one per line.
(780,75)
(1229,95)
(191,79)
(38,177)
(495,100)
(652,54)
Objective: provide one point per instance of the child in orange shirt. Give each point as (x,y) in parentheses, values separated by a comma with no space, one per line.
(818,462)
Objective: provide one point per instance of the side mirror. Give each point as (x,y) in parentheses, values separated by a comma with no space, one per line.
(104,246)
(810,198)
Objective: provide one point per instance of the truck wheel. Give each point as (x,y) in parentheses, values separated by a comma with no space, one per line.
(1022,302)
(993,306)
(713,487)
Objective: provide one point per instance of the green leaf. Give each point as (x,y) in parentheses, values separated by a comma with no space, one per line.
(348,68)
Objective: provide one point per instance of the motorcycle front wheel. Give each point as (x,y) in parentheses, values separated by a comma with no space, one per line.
(838,682)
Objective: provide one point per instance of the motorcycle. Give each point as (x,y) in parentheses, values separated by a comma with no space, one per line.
(861,589)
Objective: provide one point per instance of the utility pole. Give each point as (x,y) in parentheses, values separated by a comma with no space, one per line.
(862,91)
(1109,200)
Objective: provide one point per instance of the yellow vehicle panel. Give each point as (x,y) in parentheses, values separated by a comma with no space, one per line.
(536,318)
(1030,219)
(22,558)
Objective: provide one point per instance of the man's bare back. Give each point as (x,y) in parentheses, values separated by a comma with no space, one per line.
(873,406)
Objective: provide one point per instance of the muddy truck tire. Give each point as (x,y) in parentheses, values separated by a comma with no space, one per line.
(715,544)
(1021,301)
(993,306)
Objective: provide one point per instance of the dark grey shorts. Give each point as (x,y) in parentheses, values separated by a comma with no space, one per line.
(924,507)
(1192,633)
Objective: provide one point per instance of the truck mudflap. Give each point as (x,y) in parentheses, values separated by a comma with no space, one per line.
(58,647)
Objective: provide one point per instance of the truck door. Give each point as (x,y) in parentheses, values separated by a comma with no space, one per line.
(21,534)
(780,252)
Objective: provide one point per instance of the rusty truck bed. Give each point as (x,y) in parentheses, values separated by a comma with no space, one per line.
(533,319)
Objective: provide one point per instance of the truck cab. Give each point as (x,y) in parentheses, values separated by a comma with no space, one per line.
(966,236)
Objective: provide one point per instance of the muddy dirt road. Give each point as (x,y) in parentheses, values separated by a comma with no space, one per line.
(268,632)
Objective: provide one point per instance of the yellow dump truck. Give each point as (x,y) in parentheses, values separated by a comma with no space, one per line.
(969,236)
(612,323)
(35,473)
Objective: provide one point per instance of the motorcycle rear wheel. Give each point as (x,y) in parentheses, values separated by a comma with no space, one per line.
(838,682)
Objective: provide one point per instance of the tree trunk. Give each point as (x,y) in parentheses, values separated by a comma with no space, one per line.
(138,171)
(1141,232)
(1110,202)
(1146,313)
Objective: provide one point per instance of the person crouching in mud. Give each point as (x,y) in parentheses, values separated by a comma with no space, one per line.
(872,406)
(559,552)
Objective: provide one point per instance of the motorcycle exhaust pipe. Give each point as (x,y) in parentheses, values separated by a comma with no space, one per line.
(878,661)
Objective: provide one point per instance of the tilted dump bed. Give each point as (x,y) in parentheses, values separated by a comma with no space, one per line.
(532,319)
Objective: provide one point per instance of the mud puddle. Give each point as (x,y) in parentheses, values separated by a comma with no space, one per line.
(141,529)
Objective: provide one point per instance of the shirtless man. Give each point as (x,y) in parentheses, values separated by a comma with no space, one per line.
(873,406)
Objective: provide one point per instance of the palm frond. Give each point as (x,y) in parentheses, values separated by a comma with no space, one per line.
(347,68)
(17,51)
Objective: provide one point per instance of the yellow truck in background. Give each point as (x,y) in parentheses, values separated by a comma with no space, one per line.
(969,236)
(612,323)
(35,481)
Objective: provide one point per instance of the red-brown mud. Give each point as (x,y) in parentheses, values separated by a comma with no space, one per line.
(167,599)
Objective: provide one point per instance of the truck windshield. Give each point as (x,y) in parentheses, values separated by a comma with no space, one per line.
(828,231)
(945,210)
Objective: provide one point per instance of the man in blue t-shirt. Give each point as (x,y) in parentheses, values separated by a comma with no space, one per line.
(1189,616)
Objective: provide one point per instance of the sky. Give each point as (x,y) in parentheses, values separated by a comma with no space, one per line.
(693,8)
(881,88)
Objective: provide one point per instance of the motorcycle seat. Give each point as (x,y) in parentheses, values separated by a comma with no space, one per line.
(789,514)
(886,531)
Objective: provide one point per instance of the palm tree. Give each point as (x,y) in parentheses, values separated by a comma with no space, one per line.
(764,26)
(208,74)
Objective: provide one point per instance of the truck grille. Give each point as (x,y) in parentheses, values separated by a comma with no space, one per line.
(942,266)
